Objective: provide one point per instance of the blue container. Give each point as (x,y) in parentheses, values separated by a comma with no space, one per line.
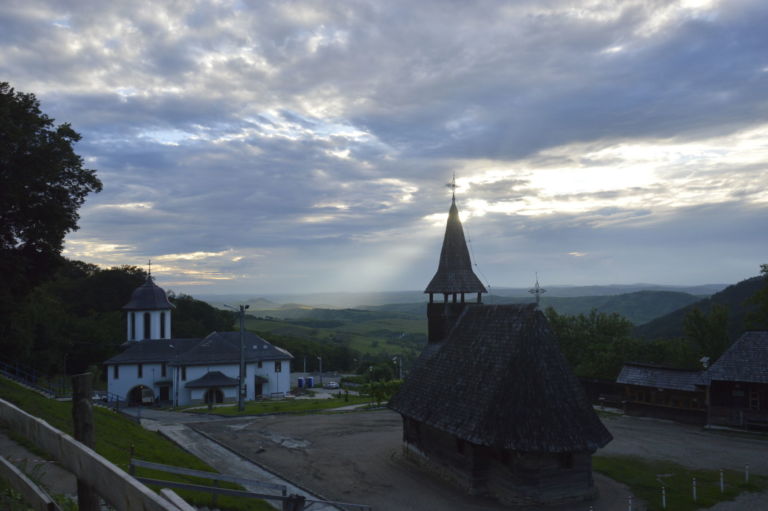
(300,382)
(310,382)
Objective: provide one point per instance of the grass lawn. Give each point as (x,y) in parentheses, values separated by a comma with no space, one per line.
(115,434)
(297,406)
(643,478)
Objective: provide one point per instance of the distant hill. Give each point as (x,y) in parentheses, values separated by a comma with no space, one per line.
(374,299)
(733,297)
(639,307)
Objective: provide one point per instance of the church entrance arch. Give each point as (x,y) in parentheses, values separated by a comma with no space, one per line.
(214,395)
(141,395)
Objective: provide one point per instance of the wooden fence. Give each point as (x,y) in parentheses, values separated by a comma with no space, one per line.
(119,489)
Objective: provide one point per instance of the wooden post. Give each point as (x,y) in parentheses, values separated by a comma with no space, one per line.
(294,503)
(82,418)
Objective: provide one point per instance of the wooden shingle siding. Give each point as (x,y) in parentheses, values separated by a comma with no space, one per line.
(500,380)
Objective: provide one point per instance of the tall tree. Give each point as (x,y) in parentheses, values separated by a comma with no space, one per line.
(757,318)
(708,331)
(42,186)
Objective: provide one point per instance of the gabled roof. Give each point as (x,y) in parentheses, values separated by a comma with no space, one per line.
(212,379)
(454,272)
(500,380)
(745,360)
(148,296)
(224,348)
(156,350)
(647,375)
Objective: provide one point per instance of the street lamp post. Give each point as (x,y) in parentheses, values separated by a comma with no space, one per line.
(321,370)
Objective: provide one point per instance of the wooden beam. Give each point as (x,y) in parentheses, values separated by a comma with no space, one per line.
(177,501)
(82,421)
(33,495)
(119,489)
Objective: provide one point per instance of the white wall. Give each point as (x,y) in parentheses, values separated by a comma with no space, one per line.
(128,379)
(155,317)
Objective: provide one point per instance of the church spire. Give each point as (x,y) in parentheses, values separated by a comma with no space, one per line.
(454,272)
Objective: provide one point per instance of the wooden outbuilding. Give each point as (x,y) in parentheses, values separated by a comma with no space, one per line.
(664,392)
(738,384)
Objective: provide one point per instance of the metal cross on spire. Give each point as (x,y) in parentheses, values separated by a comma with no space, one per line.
(452,185)
(537,290)
(149,264)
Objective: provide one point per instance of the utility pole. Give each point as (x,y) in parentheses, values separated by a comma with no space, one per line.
(241,382)
(321,370)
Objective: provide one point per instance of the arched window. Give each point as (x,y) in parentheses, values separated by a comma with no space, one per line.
(162,325)
(147,325)
(133,326)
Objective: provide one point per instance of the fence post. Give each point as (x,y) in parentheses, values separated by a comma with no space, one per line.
(694,489)
(630,503)
(82,418)
(663,498)
(294,503)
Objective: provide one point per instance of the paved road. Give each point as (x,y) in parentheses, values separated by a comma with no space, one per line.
(687,445)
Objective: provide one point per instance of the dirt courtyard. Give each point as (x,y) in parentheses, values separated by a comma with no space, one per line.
(356,458)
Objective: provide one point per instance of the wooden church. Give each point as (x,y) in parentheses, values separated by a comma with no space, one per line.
(492,404)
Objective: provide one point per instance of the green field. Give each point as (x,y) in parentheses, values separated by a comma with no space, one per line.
(369,336)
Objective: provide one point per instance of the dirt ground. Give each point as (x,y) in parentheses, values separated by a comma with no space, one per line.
(356,458)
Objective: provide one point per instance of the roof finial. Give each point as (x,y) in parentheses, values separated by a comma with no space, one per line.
(149,270)
(452,186)
(537,290)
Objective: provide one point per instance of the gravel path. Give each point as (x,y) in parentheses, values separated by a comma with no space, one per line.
(357,457)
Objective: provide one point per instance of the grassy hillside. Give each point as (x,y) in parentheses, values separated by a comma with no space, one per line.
(733,297)
(115,434)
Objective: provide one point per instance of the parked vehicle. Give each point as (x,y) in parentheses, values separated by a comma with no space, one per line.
(331,385)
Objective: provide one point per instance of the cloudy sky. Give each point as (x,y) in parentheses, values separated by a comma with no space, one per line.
(305,146)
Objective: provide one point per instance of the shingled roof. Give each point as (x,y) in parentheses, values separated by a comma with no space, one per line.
(454,272)
(148,296)
(212,379)
(156,350)
(646,375)
(224,348)
(500,380)
(746,360)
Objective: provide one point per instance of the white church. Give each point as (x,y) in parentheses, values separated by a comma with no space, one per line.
(156,368)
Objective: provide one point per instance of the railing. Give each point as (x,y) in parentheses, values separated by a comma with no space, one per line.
(32,378)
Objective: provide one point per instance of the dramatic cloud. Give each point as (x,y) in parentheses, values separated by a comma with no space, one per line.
(304,146)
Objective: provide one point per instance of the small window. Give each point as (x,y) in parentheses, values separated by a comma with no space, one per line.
(115,371)
(163,369)
(184,373)
(162,325)
(141,370)
(147,326)
(259,364)
(278,366)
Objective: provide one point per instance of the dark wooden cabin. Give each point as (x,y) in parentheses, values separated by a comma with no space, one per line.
(491,404)
(664,392)
(738,384)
